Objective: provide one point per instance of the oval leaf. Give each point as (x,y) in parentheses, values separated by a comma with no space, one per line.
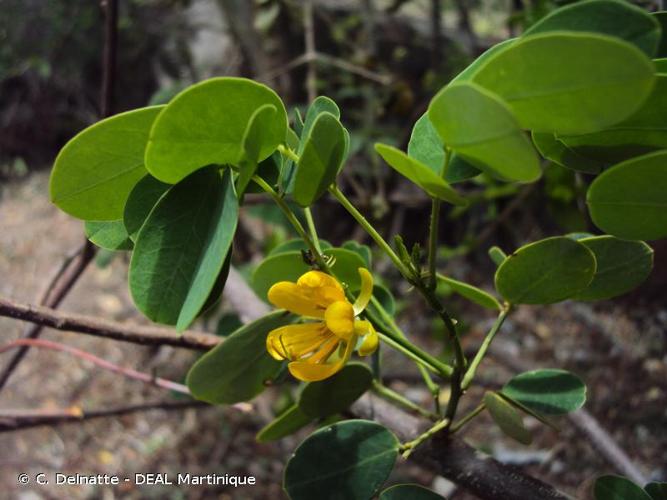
(548,392)
(661,17)
(238,368)
(472,293)
(290,421)
(560,153)
(96,170)
(109,234)
(630,199)
(141,201)
(348,460)
(569,83)
(642,133)
(608,17)
(507,417)
(545,272)
(337,393)
(289,266)
(426,147)
(206,123)
(618,488)
(181,248)
(321,159)
(409,492)
(621,266)
(420,174)
(481,129)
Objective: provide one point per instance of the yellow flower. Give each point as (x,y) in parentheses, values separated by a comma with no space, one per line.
(318,349)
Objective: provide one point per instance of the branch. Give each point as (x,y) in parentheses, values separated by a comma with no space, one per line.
(454,459)
(146,335)
(73,266)
(14,420)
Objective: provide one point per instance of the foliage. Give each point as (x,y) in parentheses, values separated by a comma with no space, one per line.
(569,92)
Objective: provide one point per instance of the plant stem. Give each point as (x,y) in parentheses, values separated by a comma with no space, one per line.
(433,388)
(311,228)
(395,341)
(287,211)
(400,400)
(361,220)
(464,420)
(410,446)
(470,373)
(433,230)
(285,151)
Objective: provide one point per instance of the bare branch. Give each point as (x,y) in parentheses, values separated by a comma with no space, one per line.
(146,335)
(14,420)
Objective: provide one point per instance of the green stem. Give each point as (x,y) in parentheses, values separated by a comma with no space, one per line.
(361,220)
(287,211)
(311,228)
(470,373)
(400,400)
(397,342)
(416,354)
(464,420)
(410,446)
(433,388)
(433,230)
(285,151)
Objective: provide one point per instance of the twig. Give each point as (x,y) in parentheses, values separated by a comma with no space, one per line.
(102,363)
(18,420)
(146,335)
(71,269)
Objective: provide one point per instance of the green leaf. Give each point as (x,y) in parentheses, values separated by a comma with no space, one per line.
(216,292)
(96,170)
(546,271)
(140,202)
(480,128)
(321,159)
(337,393)
(661,17)
(420,174)
(641,133)
(349,460)
(607,17)
(288,422)
(548,392)
(364,251)
(472,293)
(507,417)
(321,104)
(621,266)
(657,491)
(289,266)
(409,492)
(618,488)
(206,124)
(560,153)
(254,139)
(630,199)
(238,368)
(181,248)
(569,83)
(660,66)
(109,234)
(467,74)
(426,147)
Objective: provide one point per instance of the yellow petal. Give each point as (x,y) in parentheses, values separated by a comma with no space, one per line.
(322,288)
(339,318)
(296,341)
(313,372)
(370,337)
(366,291)
(296,299)
(318,279)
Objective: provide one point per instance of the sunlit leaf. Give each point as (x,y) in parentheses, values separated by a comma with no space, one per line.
(548,391)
